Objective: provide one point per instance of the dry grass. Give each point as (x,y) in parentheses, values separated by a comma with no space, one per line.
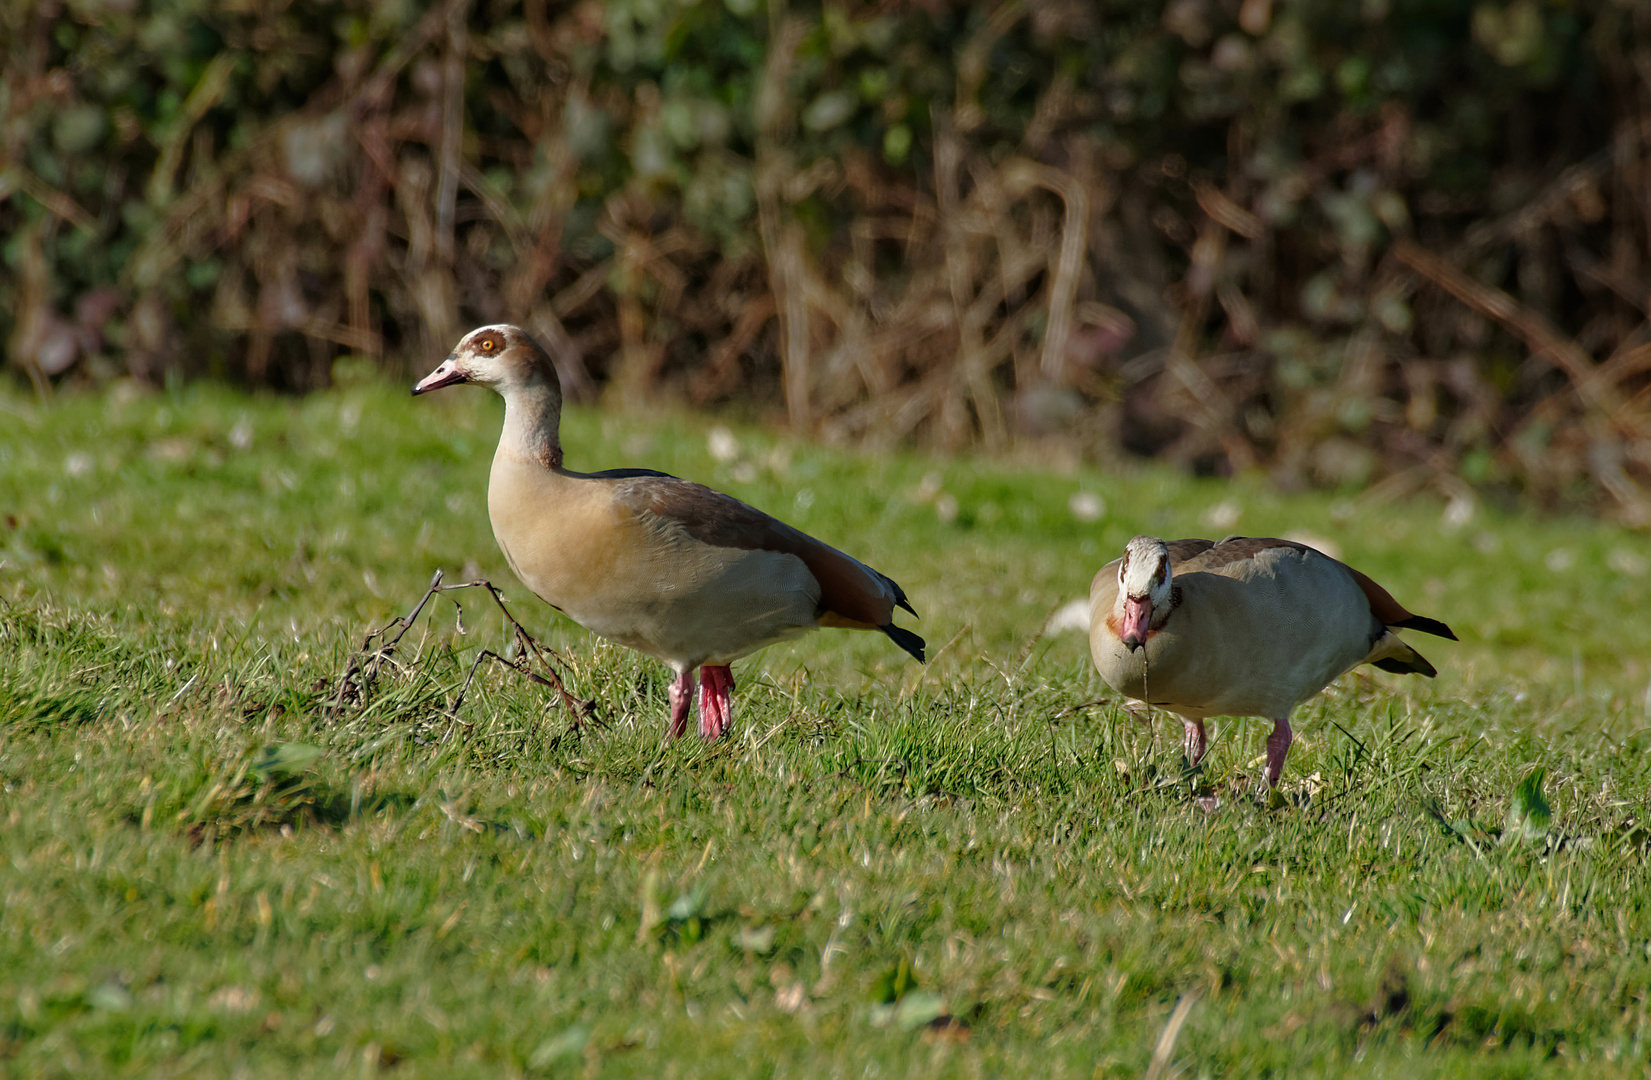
(891,225)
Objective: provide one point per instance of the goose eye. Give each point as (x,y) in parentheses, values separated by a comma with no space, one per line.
(487,344)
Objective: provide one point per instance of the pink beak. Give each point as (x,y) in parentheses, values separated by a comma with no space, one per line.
(445,375)
(1137,622)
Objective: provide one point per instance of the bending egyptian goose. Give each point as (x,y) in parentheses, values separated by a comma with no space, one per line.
(1244,627)
(668,567)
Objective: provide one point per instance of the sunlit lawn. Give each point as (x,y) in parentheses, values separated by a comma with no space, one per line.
(962,868)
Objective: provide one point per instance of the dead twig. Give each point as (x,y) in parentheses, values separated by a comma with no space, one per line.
(531,649)
(1165,1049)
(365,664)
(518,665)
(1587,380)
(1544,341)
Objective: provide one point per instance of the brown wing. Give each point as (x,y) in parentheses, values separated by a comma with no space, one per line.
(1237,549)
(848,588)
(1182,550)
(1393,613)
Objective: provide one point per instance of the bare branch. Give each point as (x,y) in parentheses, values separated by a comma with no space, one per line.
(365,664)
(578,711)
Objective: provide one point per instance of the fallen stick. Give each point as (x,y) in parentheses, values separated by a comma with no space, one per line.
(579,711)
(366,663)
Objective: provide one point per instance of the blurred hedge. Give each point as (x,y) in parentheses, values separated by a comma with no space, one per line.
(1401,241)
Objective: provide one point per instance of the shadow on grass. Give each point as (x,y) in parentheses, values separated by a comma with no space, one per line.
(286,808)
(273,791)
(1393,1009)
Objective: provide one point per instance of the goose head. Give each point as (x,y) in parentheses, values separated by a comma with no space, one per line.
(1143,587)
(501,356)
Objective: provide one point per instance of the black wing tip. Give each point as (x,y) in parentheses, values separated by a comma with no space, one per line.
(1428,626)
(900,600)
(905,639)
(1418,665)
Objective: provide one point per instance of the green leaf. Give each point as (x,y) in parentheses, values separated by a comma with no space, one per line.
(916,1010)
(1528,812)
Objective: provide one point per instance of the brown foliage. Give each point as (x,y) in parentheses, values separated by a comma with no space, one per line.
(1215,232)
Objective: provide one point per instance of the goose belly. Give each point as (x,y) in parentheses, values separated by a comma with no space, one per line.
(716,610)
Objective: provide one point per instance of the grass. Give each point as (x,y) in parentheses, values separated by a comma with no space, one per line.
(887,870)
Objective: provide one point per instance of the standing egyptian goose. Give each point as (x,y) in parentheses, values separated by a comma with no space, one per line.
(668,567)
(1244,627)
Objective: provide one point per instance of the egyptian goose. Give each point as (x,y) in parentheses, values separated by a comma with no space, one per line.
(668,567)
(1244,627)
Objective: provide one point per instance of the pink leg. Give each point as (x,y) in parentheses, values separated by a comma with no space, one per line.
(1193,743)
(682,701)
(716,702)
(1278,746)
